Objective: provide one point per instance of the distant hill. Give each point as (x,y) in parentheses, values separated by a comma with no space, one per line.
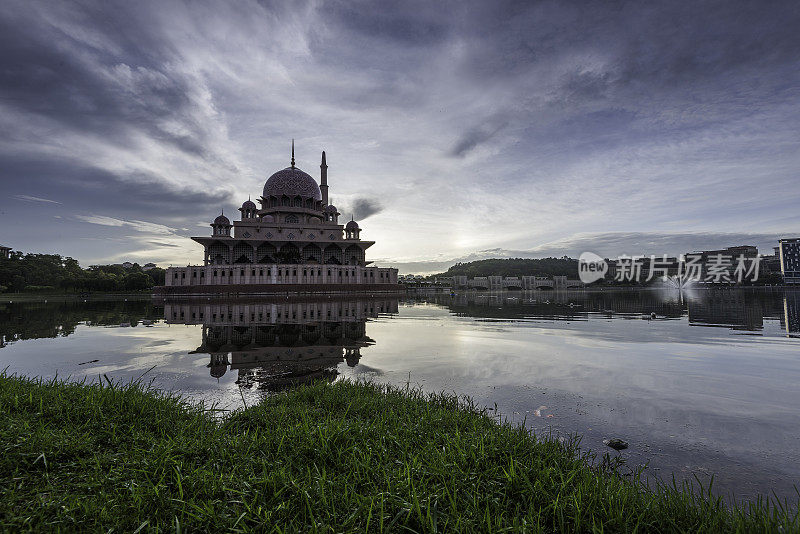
(516,267)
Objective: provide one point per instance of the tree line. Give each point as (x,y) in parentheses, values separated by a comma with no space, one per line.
(52,272)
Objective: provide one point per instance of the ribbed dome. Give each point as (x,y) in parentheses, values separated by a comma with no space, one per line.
(292,182)
(330,208)
(352,225)
(249,204)
(221,220)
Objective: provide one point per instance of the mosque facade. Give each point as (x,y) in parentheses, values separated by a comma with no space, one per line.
(292,237)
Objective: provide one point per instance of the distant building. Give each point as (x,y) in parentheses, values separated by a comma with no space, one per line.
(480,282)
(148,266)
(789,252)
(723,260)
(5,252)
(562,282)
(772,263)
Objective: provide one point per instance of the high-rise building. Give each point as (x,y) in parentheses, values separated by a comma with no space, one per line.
(789,254)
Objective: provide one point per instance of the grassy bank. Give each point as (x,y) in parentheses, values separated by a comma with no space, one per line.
(342,457)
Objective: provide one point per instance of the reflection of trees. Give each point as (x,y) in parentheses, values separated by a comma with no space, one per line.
(32,320)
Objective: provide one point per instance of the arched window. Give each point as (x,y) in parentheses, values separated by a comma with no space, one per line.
(292,219)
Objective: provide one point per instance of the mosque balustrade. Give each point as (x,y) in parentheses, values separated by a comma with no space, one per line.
(260,318)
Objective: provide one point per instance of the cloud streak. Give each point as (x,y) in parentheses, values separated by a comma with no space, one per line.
(29,198)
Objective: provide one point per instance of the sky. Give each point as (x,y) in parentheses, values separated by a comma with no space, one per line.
(453,130)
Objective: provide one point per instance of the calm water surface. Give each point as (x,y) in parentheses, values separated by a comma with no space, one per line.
(707,387)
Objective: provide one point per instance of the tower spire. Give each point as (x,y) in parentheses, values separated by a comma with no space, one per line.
(293,153)
(323,175)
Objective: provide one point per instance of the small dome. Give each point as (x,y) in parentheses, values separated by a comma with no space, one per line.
(292,182)
(352,225)
(249,205)
(222,220)
(268,218)
(330,208)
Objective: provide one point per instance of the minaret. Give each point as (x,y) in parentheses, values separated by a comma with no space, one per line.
(323,176)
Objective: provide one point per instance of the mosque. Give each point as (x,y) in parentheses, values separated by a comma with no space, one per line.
(292,240)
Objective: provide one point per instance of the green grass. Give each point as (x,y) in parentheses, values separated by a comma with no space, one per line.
(341,457)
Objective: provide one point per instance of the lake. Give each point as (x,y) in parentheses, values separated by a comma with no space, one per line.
(700,383)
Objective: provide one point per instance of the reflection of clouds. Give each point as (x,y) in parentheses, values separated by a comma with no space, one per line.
(161,361)
(362,369)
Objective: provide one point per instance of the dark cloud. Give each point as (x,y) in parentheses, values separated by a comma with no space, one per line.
(363,207)
(82,188)
(416,23)
(110,93)
(640,42)
(477,136)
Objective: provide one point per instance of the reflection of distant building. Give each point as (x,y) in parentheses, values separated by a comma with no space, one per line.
(738,310)
(275,345)
(791,313)
(5,252)
(789,252)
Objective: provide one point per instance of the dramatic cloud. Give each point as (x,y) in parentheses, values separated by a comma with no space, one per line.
(365,207)
(457,129)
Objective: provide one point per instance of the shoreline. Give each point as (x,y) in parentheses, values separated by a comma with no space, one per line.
(347,456)
(383,292)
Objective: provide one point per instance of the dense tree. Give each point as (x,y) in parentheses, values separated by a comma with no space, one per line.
(516,267)
(43,272)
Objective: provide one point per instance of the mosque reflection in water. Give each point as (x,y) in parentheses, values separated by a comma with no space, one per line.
(276,345)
